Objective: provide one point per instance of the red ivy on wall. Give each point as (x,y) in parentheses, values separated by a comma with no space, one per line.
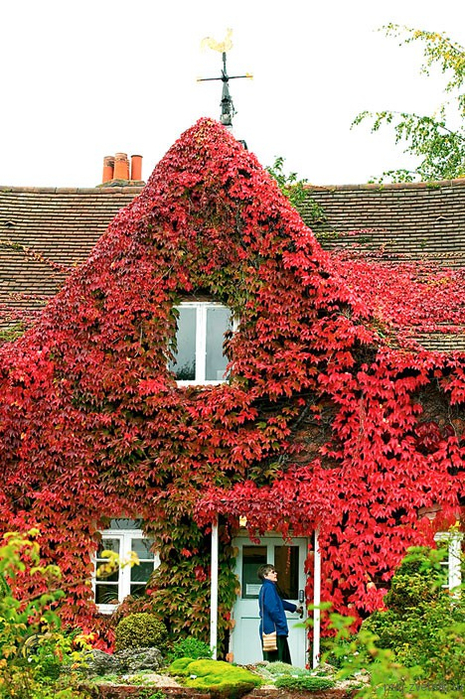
(333,416)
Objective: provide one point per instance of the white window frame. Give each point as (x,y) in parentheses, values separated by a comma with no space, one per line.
(454,558)
(123,586)
(201,341)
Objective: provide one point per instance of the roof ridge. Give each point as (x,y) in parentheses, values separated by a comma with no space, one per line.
(71,190)
(439,184)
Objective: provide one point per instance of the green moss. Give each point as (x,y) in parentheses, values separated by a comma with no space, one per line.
(215,676)
(179,666)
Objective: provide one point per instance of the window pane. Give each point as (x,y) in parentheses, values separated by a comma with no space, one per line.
(137,590)
(108,545)
(106,594)
(142,548)
(286,561)
(141,572)
(113,577)
(252,558)
(125,524)
(184,362)
(218,322)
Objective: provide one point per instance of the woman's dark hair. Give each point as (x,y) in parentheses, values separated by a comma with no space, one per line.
(264,570)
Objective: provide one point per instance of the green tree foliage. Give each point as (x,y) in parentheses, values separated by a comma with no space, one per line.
(294,189)
(438,139)
(290,185)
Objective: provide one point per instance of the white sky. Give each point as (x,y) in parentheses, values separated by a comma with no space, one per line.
(87,78)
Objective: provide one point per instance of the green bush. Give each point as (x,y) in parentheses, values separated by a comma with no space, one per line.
(306,682)
(189,647)
(424,625)
(141,630)
(215,676)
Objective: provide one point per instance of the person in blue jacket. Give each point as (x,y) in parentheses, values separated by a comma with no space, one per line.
(272,616)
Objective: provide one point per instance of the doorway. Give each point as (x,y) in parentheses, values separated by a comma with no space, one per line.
(289,561)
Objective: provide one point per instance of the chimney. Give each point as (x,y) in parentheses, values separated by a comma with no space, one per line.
(121,171)
(108,167)
(116,169)
(136,168)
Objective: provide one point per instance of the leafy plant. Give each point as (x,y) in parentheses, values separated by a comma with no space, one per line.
(307,683)
(151,694)
(189,647)
(278,668)
(33,648)
(321,419)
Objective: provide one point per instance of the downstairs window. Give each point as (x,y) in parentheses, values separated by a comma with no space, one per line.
(453,560)
(123,537)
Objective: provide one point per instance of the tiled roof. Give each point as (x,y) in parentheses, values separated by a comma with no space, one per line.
(61,224)
(409,221)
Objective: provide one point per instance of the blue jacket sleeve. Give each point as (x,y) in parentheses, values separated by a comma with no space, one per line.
(288,606)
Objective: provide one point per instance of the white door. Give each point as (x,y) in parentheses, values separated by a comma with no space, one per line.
(288,560)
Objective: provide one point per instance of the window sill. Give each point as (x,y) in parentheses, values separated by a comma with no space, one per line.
(107,609)
(201,383)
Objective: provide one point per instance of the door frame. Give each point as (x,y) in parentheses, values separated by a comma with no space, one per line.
(301,541)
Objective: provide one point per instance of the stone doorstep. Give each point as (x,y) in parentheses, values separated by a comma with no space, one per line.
(123,691)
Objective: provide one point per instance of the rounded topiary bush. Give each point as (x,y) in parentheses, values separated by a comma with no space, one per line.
(142,630)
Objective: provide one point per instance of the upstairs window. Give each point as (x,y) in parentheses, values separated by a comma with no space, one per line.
(124,537)
(200,335)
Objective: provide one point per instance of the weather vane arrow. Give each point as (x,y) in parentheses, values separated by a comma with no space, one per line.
(227,105)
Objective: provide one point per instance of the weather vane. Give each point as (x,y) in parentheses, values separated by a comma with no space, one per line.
(227,105)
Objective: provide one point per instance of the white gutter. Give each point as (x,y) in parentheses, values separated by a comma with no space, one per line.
(316,599)
(214,590)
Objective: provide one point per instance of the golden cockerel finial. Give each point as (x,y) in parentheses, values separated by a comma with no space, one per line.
(221,46)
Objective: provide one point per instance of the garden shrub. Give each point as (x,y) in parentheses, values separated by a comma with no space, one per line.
(424,625)
(142,630)
(215,676)
(304,682)
(189,647)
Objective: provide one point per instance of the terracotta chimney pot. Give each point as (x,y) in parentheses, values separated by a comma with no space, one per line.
(121,171)
(136,167)
(108,167)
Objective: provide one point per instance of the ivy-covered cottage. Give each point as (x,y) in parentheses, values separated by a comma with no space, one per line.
(215,381)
